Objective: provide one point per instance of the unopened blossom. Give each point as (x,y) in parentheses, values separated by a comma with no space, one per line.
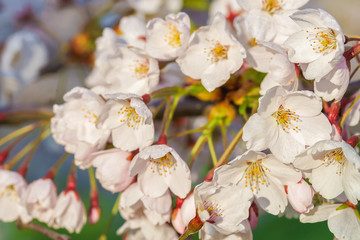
(133,30)
(182,215)
(222,208)
(159,168)
(167,39)
(263,176)
(40,199)
(342,220)
(134,206)
(74,124)
(213,54)
(333,85)
(129,120)
(319,45)
(286,122)
(12,189)
(69,212)
(130,71)
(268,20)
(300,196)
(273,60)
(335,169)
(112,169)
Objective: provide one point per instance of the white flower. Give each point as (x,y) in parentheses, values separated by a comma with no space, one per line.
(268,20)
(132,30)
(69,212)
(343,221)
(333,85)
(134,206)
(222,208)
(166,40)
(158,168)
(286,122)
(208,233)
(273,60)
(229,8)
(335,169)
(213,54)
(300,196)
(146,6)
(74,124)
(112,169)
(264,175)
(319,45)
(40,199)
(12,189)
(129,120)
(129,71)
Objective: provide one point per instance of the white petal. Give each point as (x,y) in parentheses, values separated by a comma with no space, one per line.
(350,182)
(325,181)
(284,173)
(344,224)
(152,184)
(319,213)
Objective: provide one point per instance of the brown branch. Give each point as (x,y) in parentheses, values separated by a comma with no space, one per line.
(43,230)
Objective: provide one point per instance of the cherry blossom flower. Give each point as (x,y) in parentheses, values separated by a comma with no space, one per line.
(112,169)
(335,169)
(129,120)
(268,20)
(222,208)
(286,122)
(74,124)
(158,168)
(166,40)
(130,71)
(12,189)
(40,199)
(343,221)
(133,29)
(319,45)
(69,212)
(134,206)
(300,196)
(207,233)
(229,8)
(183,215)
(273,60)
(263,176)
(213,54)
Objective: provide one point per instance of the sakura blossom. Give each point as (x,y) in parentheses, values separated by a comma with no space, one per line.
(215,52)
(286,120)
(300,196)
(160,168)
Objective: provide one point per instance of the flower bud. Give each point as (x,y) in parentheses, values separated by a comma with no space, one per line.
(300,196)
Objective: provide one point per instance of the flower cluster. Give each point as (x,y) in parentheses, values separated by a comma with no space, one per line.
(280,72)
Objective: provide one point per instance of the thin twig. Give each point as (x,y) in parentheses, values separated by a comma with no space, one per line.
(43,230)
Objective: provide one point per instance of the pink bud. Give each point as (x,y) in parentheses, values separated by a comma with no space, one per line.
(94,210)
(300,196)
(253,215)
(177,221)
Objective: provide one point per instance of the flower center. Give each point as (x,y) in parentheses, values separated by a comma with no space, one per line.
(335,157)
(271,6)
(173,37)
(214,210)
(322,39)
(130,117)
(141,69)
(255,175)
(10,193)
(218,52)
(90,116)
(162,165)
(285,118)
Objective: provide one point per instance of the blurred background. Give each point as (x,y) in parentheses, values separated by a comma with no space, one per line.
(72,26)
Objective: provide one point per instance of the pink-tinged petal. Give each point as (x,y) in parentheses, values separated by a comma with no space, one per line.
(312,130)
(177,222)
(300,196)
(259,132)
(284,173)
(180,182)
(271,197)
(299,47)
(188,209)
(327,180)
(303,103)
(344,224)
(319,213)
(152,183)
(350,182)
(260,25)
